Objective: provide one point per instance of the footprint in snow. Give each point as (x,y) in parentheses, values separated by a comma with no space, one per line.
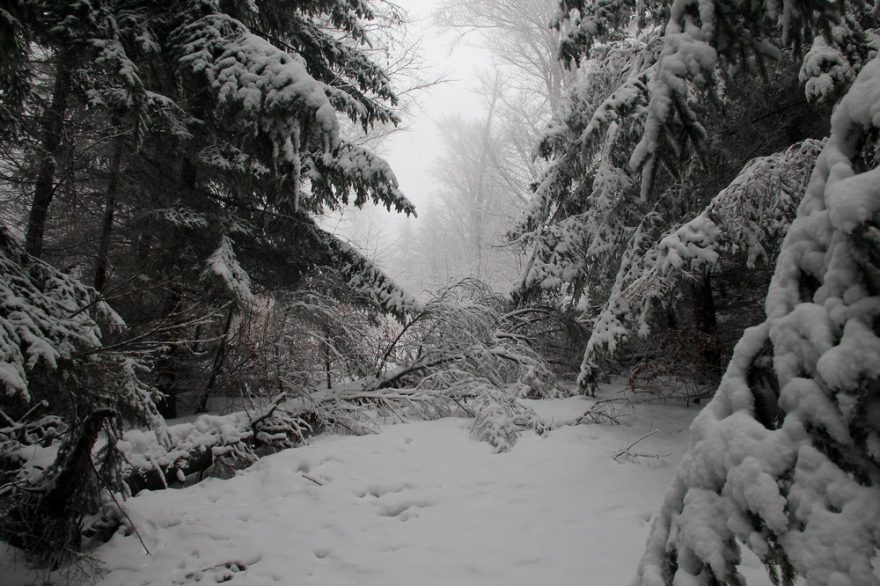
(222,572)
(379,491)
(404,510)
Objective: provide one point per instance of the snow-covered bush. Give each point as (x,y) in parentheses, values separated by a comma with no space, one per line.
(459,351)
(498,418)
(317,336)
(460,334)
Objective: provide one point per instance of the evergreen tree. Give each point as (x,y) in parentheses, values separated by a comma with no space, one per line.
(601,209)
(192,145)
(784,460)
(237,145)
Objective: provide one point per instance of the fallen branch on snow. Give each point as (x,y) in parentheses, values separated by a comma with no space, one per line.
(636,456)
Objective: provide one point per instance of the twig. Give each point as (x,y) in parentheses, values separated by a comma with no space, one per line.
(307,477)
(226,565)
(33,410)
(119,506)
(275,403)
(462,406)
(633,444)
(13,424)
(161,328)
(385,383)
(101,297)
(604,411)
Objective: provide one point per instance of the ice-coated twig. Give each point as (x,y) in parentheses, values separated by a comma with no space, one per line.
(626,450)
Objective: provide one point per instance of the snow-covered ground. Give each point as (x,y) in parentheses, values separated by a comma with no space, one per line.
(420,503)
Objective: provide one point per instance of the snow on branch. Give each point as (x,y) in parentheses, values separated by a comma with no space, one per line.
(354,84)
(798,488)
(462,350)
(567,249)
(498,418)
(364,277)
(227,157)
(258,87)
(355,170)
(701,35)
(585,198)
(687,56)
(209,440)
(584,23)
(223,266)
(629,101)
(756,209)
(343,14)
(825,71)
(43,316)
(749,217)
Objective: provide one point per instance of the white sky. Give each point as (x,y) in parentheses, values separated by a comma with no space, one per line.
(412,153)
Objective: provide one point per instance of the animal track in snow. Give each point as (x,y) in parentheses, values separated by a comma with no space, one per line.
(379,490)
(404,509)
(321,552)
(219,573)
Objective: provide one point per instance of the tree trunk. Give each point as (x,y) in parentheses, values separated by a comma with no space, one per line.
(166,365)
(327,361)
(192,458)
(50,150)
(77,465)
(706,322)
(107,221)
(219,357)
(46,521)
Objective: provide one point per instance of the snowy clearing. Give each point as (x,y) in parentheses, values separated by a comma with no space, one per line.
(420,503)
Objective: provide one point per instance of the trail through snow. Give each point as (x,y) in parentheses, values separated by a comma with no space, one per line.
(420,503)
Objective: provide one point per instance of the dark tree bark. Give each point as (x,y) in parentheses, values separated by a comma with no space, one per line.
(46,520)
(327,360)
(76,467)
(50,151)
(166,383)
(107,221)
(167,364)
(219,358)
(706,322)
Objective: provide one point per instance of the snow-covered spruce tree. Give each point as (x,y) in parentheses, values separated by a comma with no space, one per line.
(740,229)
(58,384)
(239,150)
(594,220)
(207,137)
(786,458)
(55,35)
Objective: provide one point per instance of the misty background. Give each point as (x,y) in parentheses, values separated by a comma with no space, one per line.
(478,82)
